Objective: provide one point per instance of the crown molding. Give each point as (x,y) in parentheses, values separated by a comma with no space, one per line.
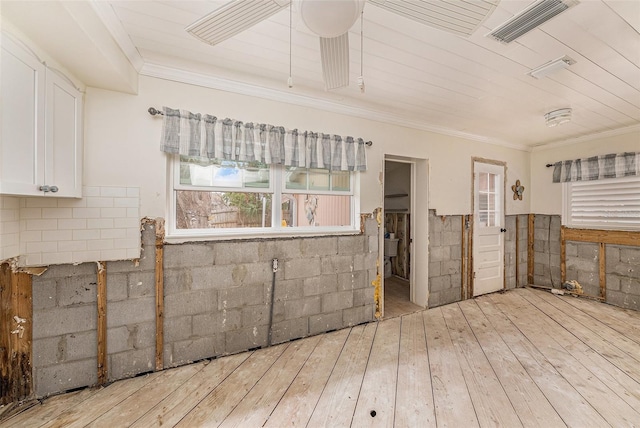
(604,134)
(208,81)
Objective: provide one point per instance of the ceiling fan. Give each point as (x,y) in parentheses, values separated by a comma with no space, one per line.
(332,19)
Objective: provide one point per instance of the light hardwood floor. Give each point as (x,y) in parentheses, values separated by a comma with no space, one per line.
(520,358)
(396,298)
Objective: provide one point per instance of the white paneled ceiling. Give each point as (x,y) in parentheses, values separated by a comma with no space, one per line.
(416,74)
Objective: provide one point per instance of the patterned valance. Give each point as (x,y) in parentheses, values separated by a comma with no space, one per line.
(597,167)
(194,134)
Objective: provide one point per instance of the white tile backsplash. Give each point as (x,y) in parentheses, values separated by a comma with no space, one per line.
(104,225)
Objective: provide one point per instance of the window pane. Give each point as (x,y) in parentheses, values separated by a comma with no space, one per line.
(319,179)
(227,176)
(205,172)
(492,178)
(256,177)
(483,201)
(341,181)
(483,182)
(212,210)
(316,210)
(296,178)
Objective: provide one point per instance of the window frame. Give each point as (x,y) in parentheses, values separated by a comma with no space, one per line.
(277,189)
(567,217)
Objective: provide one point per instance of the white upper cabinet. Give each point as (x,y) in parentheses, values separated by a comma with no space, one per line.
(41,146)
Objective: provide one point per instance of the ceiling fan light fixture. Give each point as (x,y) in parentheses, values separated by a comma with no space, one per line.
(330,18)
(551,67)
(558,117)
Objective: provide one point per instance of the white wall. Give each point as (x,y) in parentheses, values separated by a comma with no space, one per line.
(547,196)
(122,144)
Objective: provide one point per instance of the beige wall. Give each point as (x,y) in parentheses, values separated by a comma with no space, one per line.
(122,144)
(547,196)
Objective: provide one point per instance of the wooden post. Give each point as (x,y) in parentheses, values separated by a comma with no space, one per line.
(517,249)
(563,256)
(603,271)
(16,329)
(102,323)
(530,251)
(470,259)
(159,224)
(462,272)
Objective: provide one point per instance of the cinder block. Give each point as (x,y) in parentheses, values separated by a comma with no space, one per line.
(253,273)
(630,255)
(456,252)
(325,322)
(439,283)
(450,267)
(628,301)
(82,345)
(236,252)
(130,363)
(438,254)
(44,294)
(216,322)
(612,255)
(337,264)
(302,308)
(320,284)
(588,265)
(255,315)
(188,255)
(239,297)
(451,238)
(624,269)
(373,243)
(336,301)
(190,303)
(177,328)
(289,330)
(434,269)
(132,311)
(144,334)
(371,227)
(302,268)
(56,322)
(217,276)
(196,349)
(287,289)
(363,296)
(350,245)
(118,340)
(588,250)
(628,285)
(177,281)
(48,351)
(435,239)
(65,376)
(289,248)
(370,261)
(141,284)
(245,339)
(358,315)
(352,280)
(325,246)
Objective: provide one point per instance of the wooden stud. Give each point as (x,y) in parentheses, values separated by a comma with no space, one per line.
(462,250)
(563,255)
(470,259)
(530,252)
(159,293)
(102,323)
(603,271)
(614,237)
(517,249)
(6,306)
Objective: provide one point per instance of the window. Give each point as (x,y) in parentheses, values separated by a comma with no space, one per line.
(488,197)
(212,198)
(602,204)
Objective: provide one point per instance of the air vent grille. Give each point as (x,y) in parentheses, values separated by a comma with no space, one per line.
(454,16)
(530,18)
(233,18)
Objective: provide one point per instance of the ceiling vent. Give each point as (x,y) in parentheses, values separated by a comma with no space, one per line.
(530,18)
(457,17)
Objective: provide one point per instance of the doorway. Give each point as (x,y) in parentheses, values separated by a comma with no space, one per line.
(488,228)
(404,258)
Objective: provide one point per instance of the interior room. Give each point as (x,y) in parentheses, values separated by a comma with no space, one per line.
(320,213)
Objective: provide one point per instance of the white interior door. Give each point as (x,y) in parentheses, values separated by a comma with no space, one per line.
(488,228)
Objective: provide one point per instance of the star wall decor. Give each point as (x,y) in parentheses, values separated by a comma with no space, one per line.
(518,190)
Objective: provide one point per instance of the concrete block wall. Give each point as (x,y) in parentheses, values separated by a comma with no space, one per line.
(623,276)
(511,258)
(583,266)
(546,248)
(445,259)
(217,294)
(217,301)
(9,227)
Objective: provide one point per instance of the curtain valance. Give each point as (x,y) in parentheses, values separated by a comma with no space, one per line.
(597,167)
(195,134)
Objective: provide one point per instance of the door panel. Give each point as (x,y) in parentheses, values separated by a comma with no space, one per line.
(488,238)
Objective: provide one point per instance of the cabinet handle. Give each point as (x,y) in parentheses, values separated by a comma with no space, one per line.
(46,189)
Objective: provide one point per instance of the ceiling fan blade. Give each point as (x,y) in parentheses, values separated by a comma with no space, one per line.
(457,17)
(334,53)
(233,18)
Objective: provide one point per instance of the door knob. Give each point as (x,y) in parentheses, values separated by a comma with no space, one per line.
(503,230)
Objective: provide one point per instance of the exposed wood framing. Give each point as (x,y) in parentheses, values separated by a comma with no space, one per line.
(603,270)
(102,322)
(615,237)
(470,258)
(462,271)
(517,249)
(159,293)
(563,255)
(16,317)
(530,254)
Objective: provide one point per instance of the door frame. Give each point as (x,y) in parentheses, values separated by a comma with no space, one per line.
(473,229)
(419,231)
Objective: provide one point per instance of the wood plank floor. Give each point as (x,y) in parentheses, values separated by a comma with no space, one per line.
(397,301)
(521,358)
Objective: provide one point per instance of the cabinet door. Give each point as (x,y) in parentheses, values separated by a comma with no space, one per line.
(63,147)
(22,146)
